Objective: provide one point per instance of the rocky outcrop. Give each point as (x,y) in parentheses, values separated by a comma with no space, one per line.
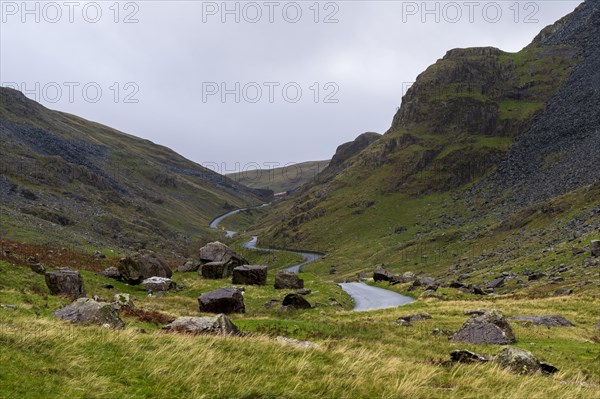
(219,252)
(88,311)
(159,284)
(250,275)
(547,321)
(139,266)
(219,325)
(345,152)
(485,327)
(380,274)
(65,282)
(224,300)
(288,280)
(408,320)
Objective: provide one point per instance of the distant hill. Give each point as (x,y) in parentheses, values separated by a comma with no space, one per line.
(69,181)
(283,179)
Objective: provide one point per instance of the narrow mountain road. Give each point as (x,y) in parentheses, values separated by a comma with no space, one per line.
(365,296)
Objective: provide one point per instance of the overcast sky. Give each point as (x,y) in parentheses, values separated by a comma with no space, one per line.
(162,66)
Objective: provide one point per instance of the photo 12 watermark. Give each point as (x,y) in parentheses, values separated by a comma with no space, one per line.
(453,12)
(253,12)
(53,12)
(72,92)
(269,92)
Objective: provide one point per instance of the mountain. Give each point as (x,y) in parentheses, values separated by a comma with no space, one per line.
(283,179)
(489,161)
(68,181)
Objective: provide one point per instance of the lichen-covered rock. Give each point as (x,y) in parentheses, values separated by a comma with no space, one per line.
(159,284)
(548,321)
(88,311)
(522,362)
(65,282)
(139,266)
(121,301)
(111,272)
(219,252)
(219,324)
(486,326)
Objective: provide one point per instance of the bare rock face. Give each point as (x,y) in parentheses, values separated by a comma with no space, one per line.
(139,266)
(487,326)
(159,284)
(219,324)
(219,252)
(250,275)
(88,311)
(288,280)
(224,300)
(65,282)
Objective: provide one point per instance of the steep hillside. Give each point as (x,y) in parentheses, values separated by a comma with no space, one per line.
(287,178)
(487,168)
(68,181)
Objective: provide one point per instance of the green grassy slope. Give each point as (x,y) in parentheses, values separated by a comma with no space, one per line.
(287,178)
(92,186)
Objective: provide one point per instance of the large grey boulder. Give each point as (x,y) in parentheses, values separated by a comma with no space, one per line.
(219,252)
(139,266)
(65,282)
(595,247)
(522,362)
(380,274)
(486,326)
(219,324)
(548,321)
(88,311)
(189,266)
(288,280)
(250,275)
(111,272)
(224,300)
(216,270)
(295,302)
(159,284)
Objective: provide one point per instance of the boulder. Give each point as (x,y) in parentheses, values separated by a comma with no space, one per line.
(65,282)
(380,274)
(465,356)
(303,291)
(414,317)
(485,327)
(548,321)
(111,272)
(495,283)
(159,284)
(295,302)
(88,311)
(219,252)
(139,266)
(288,280)
(427,283)
(216,270)
(219,324)
(121,301)
(224,300)
(522,362)
(37,268)
(189,266)
(595,247)
(250,275)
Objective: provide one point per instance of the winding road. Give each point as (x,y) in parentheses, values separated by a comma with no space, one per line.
(365,296)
